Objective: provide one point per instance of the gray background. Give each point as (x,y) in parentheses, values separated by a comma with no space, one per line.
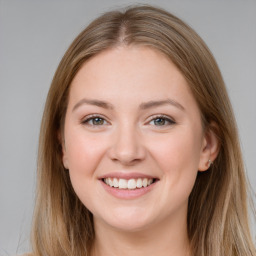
(33,37)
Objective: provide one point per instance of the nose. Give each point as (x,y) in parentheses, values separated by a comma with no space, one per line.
(126,146)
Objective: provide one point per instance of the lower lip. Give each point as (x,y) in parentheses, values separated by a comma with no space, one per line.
(127,193)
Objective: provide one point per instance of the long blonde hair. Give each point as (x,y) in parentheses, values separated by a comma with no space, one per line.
(217,211)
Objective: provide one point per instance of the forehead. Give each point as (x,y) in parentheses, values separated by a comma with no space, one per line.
(128,60)
(130,73)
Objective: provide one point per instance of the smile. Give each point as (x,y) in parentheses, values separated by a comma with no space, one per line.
(128,184)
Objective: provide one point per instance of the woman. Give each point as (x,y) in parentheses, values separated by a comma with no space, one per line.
(139,152)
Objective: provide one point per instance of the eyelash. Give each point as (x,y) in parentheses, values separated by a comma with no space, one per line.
(164,118)
(154,118)
(91,118)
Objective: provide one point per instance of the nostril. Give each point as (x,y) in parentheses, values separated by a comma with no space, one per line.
(126,161)
(127,149)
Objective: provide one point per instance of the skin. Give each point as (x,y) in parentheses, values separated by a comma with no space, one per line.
(128,138)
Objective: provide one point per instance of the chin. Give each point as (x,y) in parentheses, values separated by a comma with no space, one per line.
(129,220)
(130,226)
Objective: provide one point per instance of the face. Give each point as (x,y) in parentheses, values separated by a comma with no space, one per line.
(133,138)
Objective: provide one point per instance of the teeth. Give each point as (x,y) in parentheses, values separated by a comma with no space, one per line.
(110,183)
(122,183)
(132,184)
(150,181)
(128,184)
(115,183)
(144,183)
(139,183)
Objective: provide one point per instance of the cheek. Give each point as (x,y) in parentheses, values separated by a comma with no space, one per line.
(178,156)
(82,151)
(83,155)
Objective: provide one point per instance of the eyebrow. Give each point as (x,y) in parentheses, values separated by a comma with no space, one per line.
(97,103)
(143,106)
(152,104)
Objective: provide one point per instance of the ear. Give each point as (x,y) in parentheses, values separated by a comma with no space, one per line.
(210,148)
(64,153)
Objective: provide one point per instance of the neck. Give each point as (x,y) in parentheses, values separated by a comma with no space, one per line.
(162,239)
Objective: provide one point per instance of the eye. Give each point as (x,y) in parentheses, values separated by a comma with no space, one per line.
(161,121)
(94,121)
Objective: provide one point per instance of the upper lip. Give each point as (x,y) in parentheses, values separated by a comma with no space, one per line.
(127,175)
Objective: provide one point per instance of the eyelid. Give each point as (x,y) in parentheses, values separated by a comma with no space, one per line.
(167,118)
(87,118)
